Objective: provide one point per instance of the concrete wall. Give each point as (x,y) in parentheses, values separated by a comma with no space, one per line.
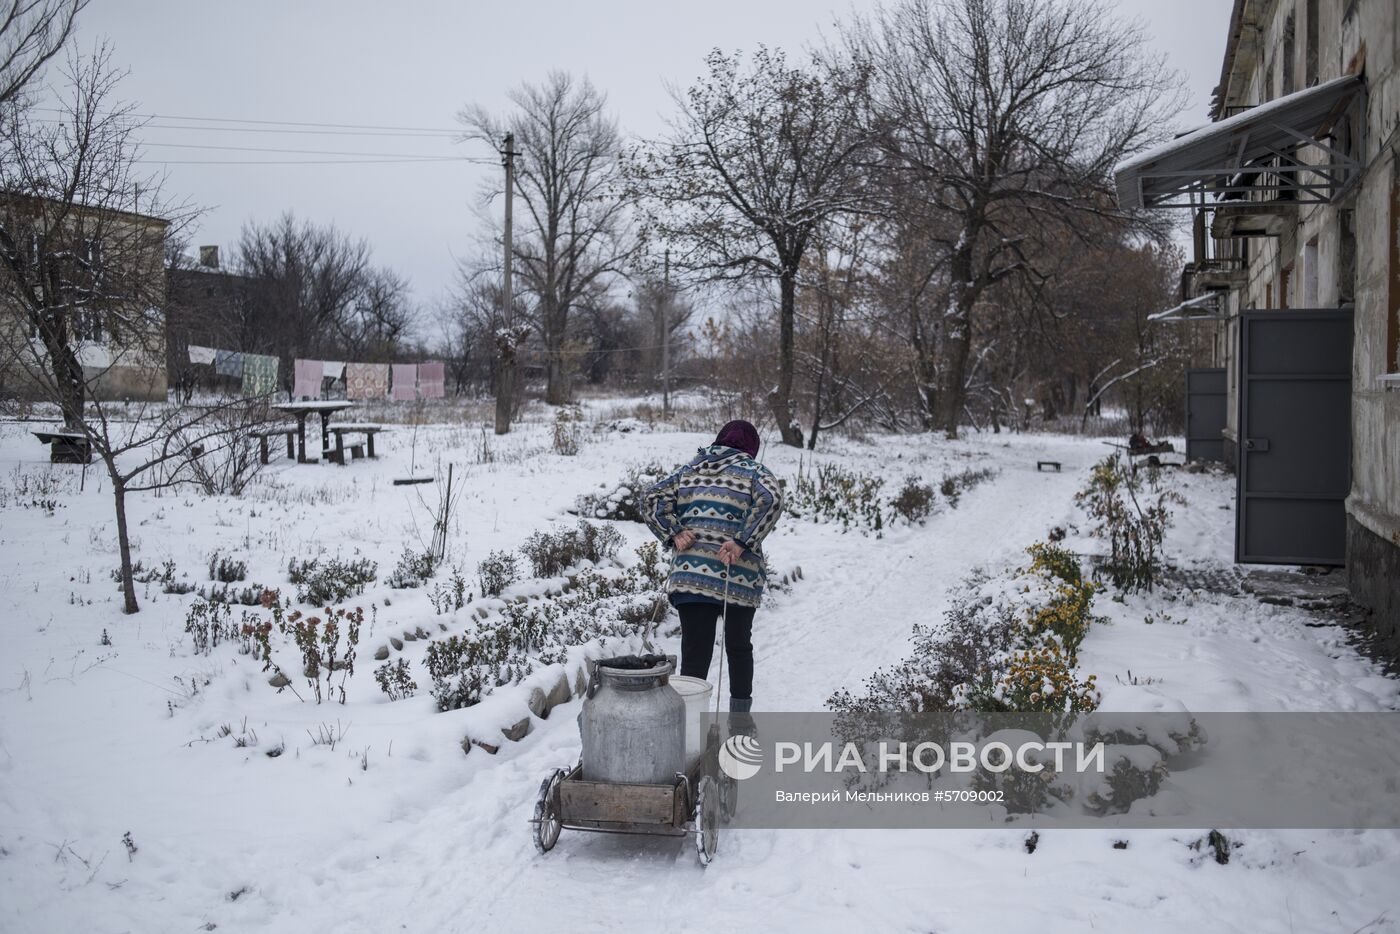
(1349,31)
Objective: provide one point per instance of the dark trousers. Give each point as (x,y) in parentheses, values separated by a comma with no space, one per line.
(698,644)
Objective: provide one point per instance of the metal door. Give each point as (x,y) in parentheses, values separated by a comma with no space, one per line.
(1205,414)
(1295,436)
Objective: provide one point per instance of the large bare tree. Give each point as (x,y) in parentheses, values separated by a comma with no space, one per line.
(82,293)
(759,157)
(571,233)
(1006,117)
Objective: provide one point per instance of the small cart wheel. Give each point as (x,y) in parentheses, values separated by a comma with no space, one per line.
(548,820)
(728,793)
(707,811)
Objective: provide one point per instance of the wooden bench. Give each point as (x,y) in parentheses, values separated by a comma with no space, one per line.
(1041,465)
(66,447)
(263,434)
(337,453)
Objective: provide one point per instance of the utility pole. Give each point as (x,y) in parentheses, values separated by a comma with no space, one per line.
(505,338)
(666,338)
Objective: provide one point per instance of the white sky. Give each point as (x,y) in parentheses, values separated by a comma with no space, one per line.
(414,63)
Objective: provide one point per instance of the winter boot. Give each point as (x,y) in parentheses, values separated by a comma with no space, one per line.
(740,720)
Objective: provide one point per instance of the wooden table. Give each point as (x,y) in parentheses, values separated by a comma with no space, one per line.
(301,410)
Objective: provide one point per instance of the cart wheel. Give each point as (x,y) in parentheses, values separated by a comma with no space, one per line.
(707,810)
(728,793)
(548,821)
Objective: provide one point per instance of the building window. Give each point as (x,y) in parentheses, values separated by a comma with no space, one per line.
(1289,28)
(1310,274)
(1392,305)
(1310,44)
(1346,257)
(1285,281)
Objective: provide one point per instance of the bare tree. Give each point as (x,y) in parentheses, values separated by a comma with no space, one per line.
(757,160)
(573,235)
(309,279)
(31,33)
(82,237)
(82,248)
(1007,117)
(379,320)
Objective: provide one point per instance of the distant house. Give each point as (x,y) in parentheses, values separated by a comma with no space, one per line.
(1294,190)
(87,278)
(208,306)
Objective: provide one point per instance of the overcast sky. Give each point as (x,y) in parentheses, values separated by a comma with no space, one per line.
(414,63)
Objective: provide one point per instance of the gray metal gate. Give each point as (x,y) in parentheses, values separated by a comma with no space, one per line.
(1295,436)
(1205,414)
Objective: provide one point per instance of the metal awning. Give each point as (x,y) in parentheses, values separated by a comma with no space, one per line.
(1201,308)
(1251,153)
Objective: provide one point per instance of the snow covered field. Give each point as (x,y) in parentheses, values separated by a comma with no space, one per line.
(395,829)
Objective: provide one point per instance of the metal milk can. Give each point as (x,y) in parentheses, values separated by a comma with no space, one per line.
(633,722)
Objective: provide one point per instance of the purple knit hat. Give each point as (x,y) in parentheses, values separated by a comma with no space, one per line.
(739,435)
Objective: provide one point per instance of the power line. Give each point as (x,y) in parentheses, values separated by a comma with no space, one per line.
(415,161)
(311,152)
(259,129)
(288,123)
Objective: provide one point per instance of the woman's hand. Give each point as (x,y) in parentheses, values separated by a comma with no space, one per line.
(683,540)
(730,552)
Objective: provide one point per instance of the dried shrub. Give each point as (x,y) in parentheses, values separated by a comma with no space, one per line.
(396,680)
(551,554)
(621,501)
(226,569)
(832,493)
(413,570)
(953,486)
(569,428)
(496,572)
(914,502)
(324,581)
(1133,522)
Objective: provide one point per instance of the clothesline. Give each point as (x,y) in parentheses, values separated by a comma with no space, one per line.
(409,381)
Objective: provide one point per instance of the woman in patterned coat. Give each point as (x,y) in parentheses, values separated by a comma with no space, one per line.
(714,513)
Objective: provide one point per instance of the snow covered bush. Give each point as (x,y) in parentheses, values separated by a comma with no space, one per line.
(322,582)
(596,606)
(1036,680)
(1022,792)
(955,485)
(1066,599)
(413,570)
(1114,499)
(208,624)
(831,493)
(914,502)
(496,572)
(226,569)
(621,501)
(464,668)
(395,680)
(1134,772)
(948,662)
(569,427)
(1006,644)
(551,554)
(1169,733)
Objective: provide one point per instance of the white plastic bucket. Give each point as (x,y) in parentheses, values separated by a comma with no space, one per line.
(697,694)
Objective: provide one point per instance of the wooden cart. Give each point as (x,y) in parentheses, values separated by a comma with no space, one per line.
(695,803)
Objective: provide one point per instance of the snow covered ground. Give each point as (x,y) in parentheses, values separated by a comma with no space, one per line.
(395,829)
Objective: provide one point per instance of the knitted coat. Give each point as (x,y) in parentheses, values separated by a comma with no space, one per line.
(722,494)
